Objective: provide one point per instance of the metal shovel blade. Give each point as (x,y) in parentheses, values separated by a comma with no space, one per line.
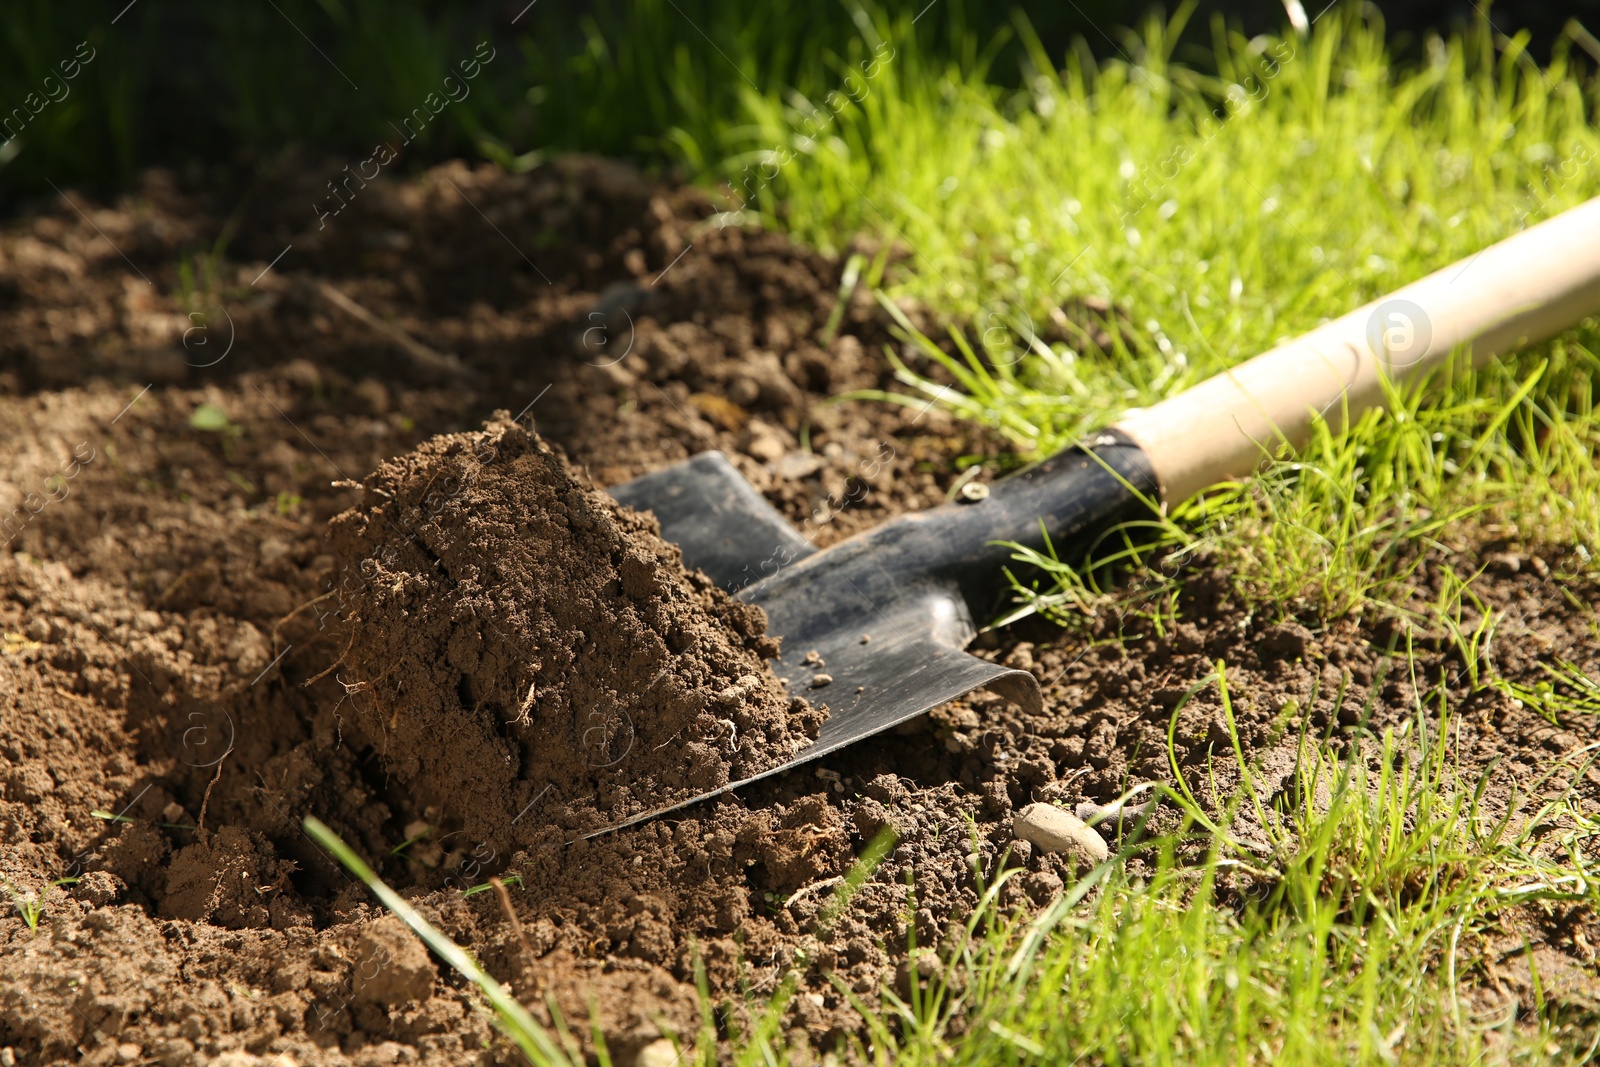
(889,637)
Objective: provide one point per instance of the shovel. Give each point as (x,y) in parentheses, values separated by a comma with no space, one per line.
(875,626)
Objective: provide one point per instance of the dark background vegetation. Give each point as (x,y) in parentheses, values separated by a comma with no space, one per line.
(179,81)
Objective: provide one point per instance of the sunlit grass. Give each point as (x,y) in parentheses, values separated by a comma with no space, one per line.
(1344,943)
(1330,178)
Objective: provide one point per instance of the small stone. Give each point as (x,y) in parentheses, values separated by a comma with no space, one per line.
(658,1053)
(237,1058)
(766,447)
(866,639)
(1507,563)
(820,680)
(1050,829)
(742,687)
(923,963)
(794,466)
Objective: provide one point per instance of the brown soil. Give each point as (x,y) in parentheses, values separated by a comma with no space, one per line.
(522,643)
(170,615)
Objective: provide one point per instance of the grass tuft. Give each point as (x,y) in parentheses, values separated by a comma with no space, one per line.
(29,904)
(1342,937)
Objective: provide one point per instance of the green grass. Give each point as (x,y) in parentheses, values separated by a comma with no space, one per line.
(1345,179)
(1374,176)
(1348,178)
(29,904)
(1345,946)
(1346,525)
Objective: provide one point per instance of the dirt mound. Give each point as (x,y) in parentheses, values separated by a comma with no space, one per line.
(529,654)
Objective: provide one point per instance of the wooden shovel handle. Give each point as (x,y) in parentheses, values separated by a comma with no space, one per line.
(1528,287)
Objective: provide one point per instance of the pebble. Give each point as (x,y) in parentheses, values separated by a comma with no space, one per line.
(658,1053)
(820,680)
(1051,829)
(765,445)
(741,688)
(796,465)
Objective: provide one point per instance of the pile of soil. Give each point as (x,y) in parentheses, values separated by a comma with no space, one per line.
(521,643)
(170,609)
